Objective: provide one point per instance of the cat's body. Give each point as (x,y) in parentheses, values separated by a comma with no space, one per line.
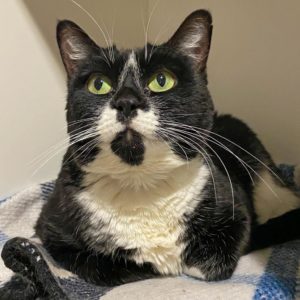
(146,188)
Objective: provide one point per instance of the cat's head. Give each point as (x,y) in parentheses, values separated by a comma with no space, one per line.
(125,105)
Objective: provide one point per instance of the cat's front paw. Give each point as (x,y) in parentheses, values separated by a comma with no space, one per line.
(214,272)
(217,274)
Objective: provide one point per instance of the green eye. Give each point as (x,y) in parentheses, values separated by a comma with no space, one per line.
(161,81)
(99,85)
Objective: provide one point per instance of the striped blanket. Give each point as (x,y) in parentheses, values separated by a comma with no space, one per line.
(28,272)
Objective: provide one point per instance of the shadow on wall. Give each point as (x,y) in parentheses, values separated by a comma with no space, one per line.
(117,19)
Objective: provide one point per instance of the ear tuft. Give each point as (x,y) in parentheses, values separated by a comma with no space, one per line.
(193,37)
(74,44)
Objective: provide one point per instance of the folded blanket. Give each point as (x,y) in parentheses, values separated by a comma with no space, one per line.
(272,273)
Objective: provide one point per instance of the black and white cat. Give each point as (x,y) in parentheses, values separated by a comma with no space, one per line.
(154,182)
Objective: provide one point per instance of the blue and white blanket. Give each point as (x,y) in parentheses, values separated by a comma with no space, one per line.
(272,273)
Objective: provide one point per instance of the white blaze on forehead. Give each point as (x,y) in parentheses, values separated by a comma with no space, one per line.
(132,64)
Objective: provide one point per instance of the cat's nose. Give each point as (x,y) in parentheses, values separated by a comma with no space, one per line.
(127,106)
(127,103)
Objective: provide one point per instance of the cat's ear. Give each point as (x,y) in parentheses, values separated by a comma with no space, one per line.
(74,44)
(193,37)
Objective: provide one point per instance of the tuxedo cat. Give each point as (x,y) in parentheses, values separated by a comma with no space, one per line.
(154,181)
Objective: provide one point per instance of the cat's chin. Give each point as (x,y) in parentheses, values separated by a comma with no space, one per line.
(129,146)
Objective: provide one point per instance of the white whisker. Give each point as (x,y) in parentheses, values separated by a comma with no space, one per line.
(96,23)
(174,141)
(85,147)
(64,142)
(197,129)
(161,31)
(244,164)
(147,27)
(226,171)
(93,133)
(205,155)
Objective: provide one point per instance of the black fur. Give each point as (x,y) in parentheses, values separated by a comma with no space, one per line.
(276,231)
(216,232)
(129,149)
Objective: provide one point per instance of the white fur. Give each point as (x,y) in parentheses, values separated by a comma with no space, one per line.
(142,206)
(267,205)
(108,126)
(146,123)
(132,62)
(77,51)
(149,219)
(193,271)
(192,41)
(159,158)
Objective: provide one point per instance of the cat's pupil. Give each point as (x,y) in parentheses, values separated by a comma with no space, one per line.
(98,83)
(161,79)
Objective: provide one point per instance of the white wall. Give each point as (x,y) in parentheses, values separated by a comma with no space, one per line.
(32,99)
(32,80)
(254,70)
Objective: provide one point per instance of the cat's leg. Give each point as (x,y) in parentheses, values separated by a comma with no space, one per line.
(215,246)
(278,212)
(101,269)
(272,198)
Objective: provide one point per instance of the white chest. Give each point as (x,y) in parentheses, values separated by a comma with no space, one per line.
(144,220)
(142,207)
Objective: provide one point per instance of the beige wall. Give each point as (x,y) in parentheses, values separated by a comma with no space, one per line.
(254,65)
(254,70)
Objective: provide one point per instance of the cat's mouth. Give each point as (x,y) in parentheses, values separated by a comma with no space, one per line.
(129,146)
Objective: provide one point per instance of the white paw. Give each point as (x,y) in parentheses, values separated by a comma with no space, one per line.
(194,272)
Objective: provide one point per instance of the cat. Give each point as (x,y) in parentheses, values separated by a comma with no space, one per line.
(154,181)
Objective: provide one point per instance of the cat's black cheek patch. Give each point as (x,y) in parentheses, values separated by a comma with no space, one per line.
(129,146)
(85,152)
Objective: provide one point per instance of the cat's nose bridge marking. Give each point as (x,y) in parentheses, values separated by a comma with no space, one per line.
(131,66)
(132,62)
(129,97)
